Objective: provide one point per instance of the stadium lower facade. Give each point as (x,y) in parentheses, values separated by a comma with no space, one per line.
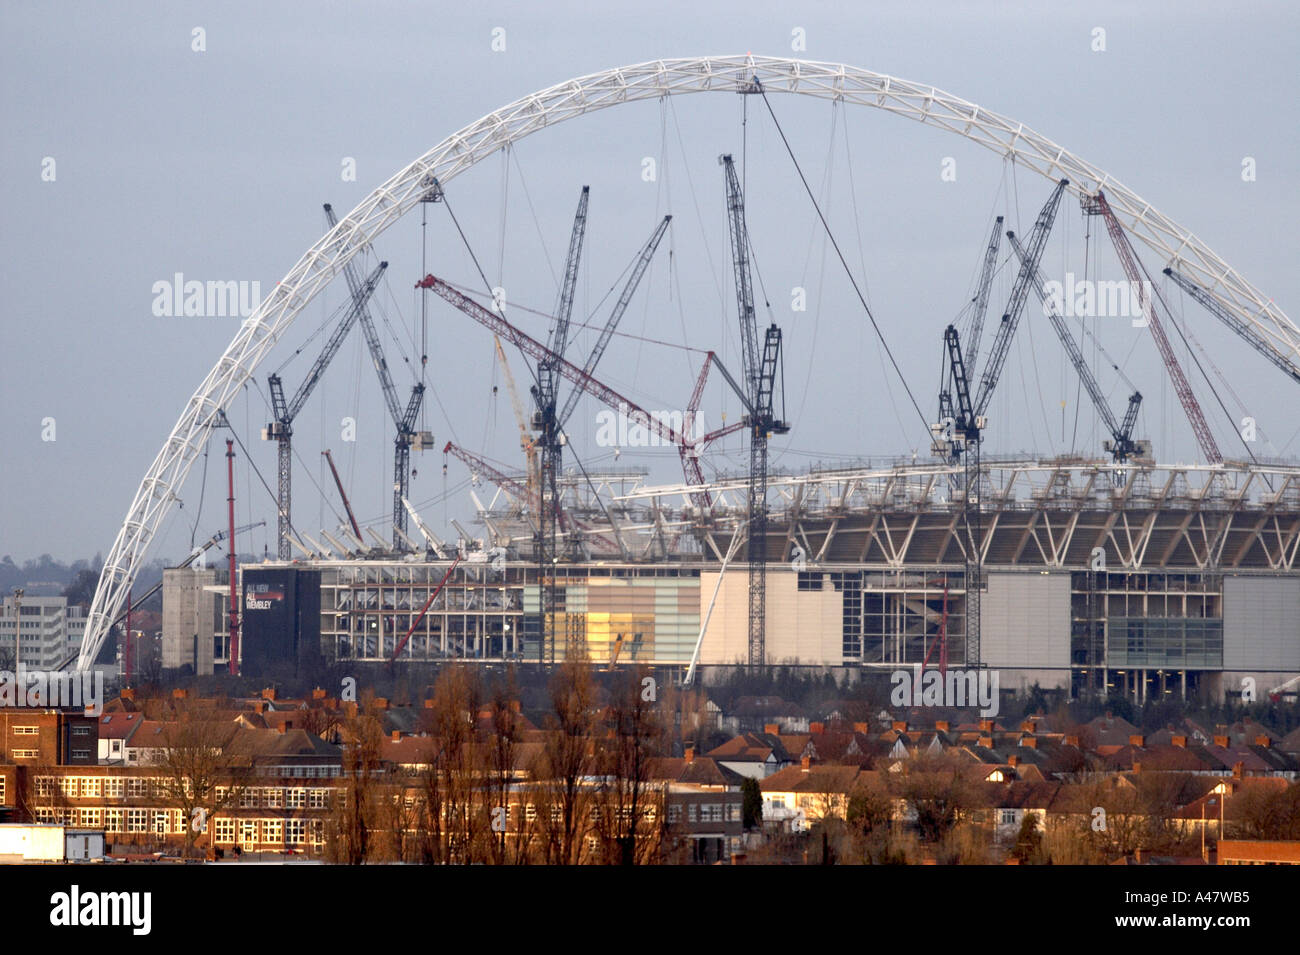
(1150,580)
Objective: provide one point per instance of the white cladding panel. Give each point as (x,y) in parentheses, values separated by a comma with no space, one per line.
(803,626)
(1261,623)
(1025,620)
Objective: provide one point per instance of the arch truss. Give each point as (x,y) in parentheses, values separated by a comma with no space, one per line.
(160,487)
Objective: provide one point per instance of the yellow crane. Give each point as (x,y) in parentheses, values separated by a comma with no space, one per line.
(527,441)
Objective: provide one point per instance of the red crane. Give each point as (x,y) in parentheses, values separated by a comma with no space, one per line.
(1132,268)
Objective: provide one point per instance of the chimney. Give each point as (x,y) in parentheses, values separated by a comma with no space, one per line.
(941,726)
(350,707)
(1027,726)
(179,694)
(269,693)
(1180,742)
(899,726)
(1137,765)
(282,728)
(381,703)
(986,742)
(690,755)
(1238,770)
(1137,740)
(1029,742)
(318,693)
(1263,741)
(397,735)
(861,728)
(1221,741)
(806,763)
(816,727)
(127,693)
(428,704)
(772,729)
(260,706)
(1013,761)
(986,726)
(1072,741)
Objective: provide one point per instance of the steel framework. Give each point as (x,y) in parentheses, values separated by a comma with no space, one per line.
(160,487)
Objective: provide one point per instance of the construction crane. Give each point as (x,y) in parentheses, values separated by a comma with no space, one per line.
(616,314)
(347,506)
(1016,305)
(959,432)
(546,423)
(1215,308)
(281,429)
(1098,206)
(980,302)
(758,395)
(404,419)
(1121,445)
(527,443)
(958,436)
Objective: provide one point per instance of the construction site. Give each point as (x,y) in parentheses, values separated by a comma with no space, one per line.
(1110,569)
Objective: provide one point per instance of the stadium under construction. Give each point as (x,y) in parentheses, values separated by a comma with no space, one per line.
(1198,587)
(1087,574)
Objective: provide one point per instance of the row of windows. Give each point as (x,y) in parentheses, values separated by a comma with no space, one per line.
(251,832)
(169,822)
(275,797)
(158,787)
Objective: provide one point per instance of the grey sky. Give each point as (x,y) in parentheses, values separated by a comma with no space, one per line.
(215,164)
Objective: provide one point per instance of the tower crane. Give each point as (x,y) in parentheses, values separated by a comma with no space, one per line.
(404,419)
(281,429)
(1121,447)
(960,433)
(1215,308)
(959,436)
(546,422)
(1016,305)
(1098,206)
(980,302)
(758,395)
(527,443)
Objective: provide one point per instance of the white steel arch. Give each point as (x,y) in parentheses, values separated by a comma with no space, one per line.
(643,81)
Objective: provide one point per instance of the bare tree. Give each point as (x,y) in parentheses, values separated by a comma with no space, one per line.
(358,813)
(201,777)
(632,816)
(568,761)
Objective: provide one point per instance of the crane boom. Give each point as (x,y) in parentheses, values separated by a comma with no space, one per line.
(638,270)
(281,429)
(404,421)
(1215,308)
(759,395)
(536,350)
(1098,205)
(740,265)
(981,301)
(338,483)
(1019,294)
(1123,447)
